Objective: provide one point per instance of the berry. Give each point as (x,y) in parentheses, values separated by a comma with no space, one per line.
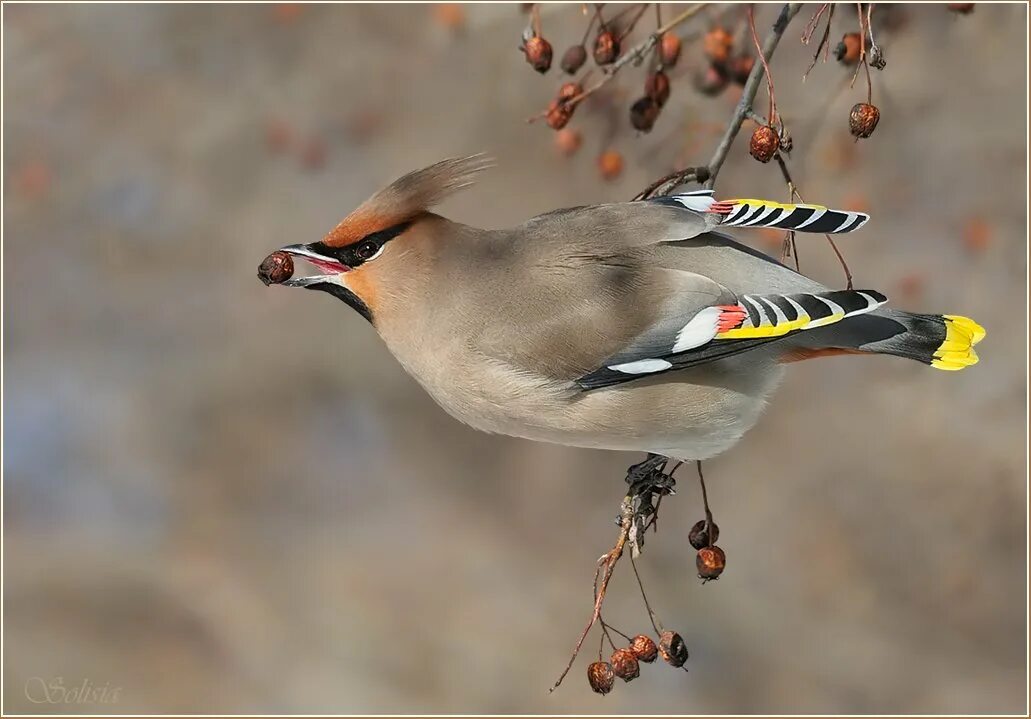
(672,648)
(610,164)
(644,113)
(740,68)
(624,665)
(656,86)
(558,114)
(764,143)
(568,141)
(669,49)
(699,537)
(848,50)
(606,47)
(601,677)
(863,119)
(963,8)
(644,648)
(710,562)
(717,44)
(710,81)
(573,59)
(276,268)
(538,53)
(569,90)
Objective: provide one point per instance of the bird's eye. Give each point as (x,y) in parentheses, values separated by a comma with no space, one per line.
(366,250)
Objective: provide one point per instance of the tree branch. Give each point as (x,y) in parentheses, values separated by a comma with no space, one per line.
(744,106)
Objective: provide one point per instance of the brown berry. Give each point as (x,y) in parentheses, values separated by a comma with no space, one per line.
(710,562)
(656,86)
(606,47)
(672,648)
(558,114)
(601,677)
(717,45)
(644,113)
(313,154)
(764,143)
(573,59)
(740,68)
(710,81)
(644,648)
(699,536)
(538,53)
(669,49)
(568,141)
(963,8)
(276,268)
(569,90)
(624,665)
(848,50)
(610,164)
(863,119)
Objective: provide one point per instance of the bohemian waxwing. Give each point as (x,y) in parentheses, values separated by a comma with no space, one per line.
(629,326)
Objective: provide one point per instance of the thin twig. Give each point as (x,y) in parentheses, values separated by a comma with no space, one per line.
(656,624)
(608,564)
(793,189)
(667,183)
(824,43)
(748,94)
(762,58)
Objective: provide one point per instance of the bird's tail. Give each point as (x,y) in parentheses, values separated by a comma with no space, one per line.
(943,341)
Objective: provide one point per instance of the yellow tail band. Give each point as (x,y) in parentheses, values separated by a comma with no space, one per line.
(957,351)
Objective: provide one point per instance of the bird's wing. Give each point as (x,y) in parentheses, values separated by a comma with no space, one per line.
(766,213)
(688,335)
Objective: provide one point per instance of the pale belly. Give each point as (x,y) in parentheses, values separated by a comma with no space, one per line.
(669,415)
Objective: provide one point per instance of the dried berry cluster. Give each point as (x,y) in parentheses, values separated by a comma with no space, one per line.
(724,65)
(625,662)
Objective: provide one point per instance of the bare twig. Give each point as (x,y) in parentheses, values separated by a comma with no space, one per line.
(656,624)
(606,565)
(794,193)
(762,58)
(664,184)
(751,88)
(823,42)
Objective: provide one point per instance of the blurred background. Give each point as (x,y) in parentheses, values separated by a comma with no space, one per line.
(221,497)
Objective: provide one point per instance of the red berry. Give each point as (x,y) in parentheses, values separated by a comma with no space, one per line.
(601,677)
(624,665)
(606,47)
(573,59)
(863,119)
(538,53)
(644,648)
(764,143)
(710,562)
(276,268)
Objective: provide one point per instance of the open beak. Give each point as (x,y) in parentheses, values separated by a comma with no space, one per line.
(330,267)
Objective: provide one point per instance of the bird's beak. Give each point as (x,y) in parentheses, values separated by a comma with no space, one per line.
(331,268)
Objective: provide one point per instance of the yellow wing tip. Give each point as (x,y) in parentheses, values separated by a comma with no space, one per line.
(957,350)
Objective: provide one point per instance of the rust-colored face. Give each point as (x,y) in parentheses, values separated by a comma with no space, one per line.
(347,256)
(349,269)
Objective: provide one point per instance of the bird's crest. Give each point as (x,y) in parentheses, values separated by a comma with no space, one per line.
(407,197)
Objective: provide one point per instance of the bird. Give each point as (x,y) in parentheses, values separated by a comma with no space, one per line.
(635,326)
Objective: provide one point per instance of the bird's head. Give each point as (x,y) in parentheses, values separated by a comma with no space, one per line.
(369,253)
